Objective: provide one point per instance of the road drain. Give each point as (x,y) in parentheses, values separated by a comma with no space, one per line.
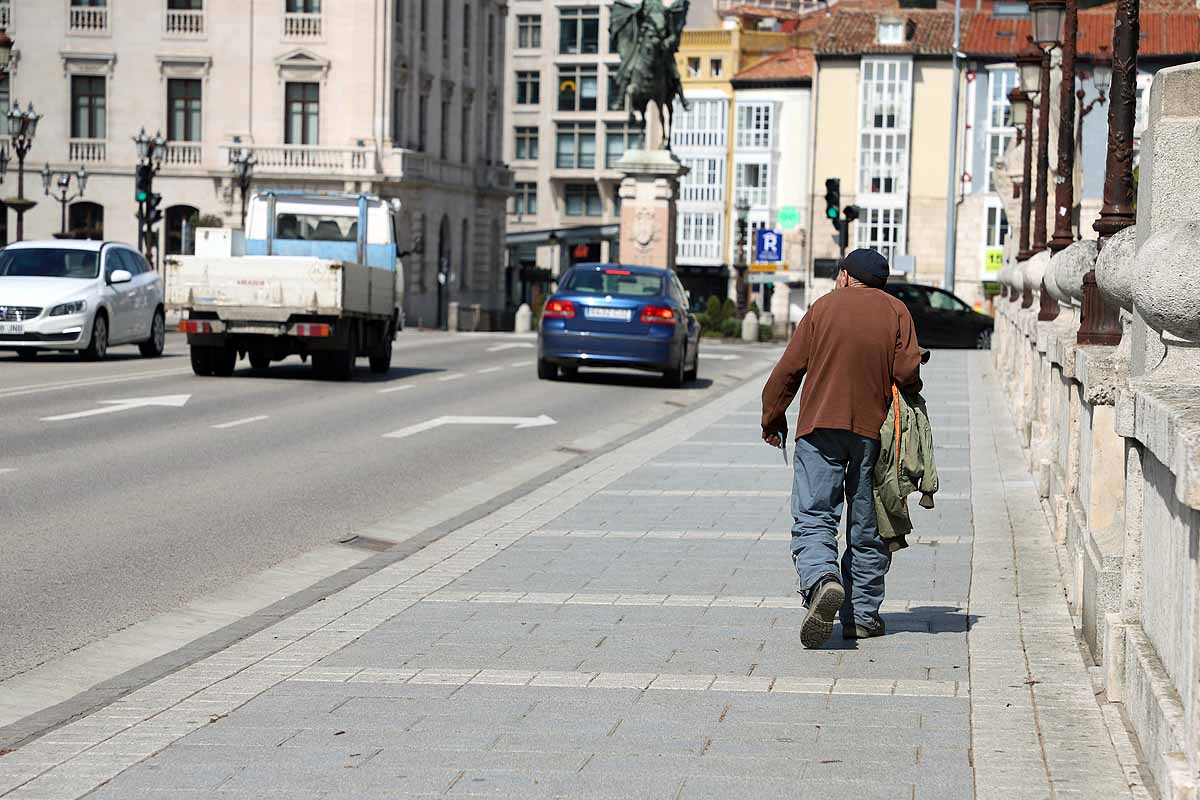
(367,543)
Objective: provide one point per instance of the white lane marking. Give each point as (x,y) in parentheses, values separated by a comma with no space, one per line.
(453,377)
(114,406)
(428,425)
(391,389)
(489,369)
(34,388)
(5,470)
(514,346)
(720,357)
(521,364)
(238,422)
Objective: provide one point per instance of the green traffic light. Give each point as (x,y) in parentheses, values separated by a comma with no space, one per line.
(831,212)
(141,197)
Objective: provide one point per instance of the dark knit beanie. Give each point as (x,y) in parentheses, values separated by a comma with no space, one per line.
(867,266)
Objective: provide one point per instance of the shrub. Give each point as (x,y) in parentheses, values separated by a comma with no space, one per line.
(765,333)
(207,221)
(731,328)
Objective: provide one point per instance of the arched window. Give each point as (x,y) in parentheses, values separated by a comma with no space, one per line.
(444,251)
(464,270)
(181,230)
(85,220)
(495,260)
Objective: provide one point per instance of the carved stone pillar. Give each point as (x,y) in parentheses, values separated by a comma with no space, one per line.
(648,195)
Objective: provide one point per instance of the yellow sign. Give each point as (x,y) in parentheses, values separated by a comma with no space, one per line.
(993,261)
(770,267)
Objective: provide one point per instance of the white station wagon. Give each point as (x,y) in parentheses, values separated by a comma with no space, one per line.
(79,295)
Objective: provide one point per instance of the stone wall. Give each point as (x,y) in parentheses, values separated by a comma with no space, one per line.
(1113,436)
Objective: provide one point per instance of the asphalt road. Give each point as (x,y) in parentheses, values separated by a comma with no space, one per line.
(112,518)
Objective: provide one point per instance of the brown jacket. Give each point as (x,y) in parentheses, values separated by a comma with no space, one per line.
(852,344)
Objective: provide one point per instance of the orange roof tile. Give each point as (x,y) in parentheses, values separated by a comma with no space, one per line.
(1162,34)
(791,64)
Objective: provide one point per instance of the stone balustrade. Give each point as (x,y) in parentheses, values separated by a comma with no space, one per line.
(1113,436)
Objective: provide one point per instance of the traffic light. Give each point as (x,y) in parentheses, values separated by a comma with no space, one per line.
(851,213)
(153,212)
(143,182)
(833,199)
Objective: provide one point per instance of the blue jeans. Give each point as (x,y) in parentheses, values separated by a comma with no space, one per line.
(832,466)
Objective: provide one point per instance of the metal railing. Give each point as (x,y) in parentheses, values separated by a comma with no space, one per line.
(88,19)
(86,150)
(185,22)
(301,25)
(183,154)
(707,39)
(302,159)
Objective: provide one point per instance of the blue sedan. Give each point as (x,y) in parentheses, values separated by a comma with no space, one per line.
(610,315)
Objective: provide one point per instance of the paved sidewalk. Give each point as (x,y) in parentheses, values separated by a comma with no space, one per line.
(631,629)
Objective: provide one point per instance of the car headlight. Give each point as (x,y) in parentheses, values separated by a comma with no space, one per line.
(74,307)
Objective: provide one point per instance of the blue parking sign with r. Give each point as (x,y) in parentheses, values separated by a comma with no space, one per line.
(768,246)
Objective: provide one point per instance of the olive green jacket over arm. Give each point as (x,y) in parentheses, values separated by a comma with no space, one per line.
(905,465)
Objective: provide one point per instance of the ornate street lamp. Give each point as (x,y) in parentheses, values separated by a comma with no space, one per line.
(62,183)
(1041,87)
(243,162)
(1101,79)
(22,127)
(1100,323)
(1049,21)
(742,209)
(1022,106)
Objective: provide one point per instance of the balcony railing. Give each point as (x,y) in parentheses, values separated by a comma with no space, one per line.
(184,22)
(301,25)
(183,154)
(86,150)
(88,19)
(5,15)
(302,159)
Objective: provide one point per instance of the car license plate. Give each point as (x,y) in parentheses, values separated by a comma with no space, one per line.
(9,327)
(616,314)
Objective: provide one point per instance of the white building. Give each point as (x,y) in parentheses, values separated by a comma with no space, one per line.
(401,98)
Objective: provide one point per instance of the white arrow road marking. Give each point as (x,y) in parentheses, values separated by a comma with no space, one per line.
(514,346)
(4,470)
(521,364)
(113,406)
(516,422)
(720,357)
(391,389)
(238,422)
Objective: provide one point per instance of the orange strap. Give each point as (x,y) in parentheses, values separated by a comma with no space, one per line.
(896,414)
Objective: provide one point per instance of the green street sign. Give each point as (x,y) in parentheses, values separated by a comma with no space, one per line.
(789,217)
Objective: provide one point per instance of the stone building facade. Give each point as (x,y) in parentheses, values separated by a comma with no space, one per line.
(401,98)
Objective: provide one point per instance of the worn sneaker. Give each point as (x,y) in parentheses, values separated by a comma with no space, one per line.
(862,631)
(824,602)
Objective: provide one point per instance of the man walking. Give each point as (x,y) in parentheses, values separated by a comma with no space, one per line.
(849,349)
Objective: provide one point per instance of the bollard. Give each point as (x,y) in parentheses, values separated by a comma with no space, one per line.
(524,321)
(452,316)
(750,327)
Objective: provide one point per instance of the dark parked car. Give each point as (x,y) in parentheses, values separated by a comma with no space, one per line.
(942,319)
(612,315)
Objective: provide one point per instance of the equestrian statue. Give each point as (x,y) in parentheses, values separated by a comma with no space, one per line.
(646,33)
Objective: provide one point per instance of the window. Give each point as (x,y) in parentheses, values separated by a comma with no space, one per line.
(754,125)
(189,5)
(183,110)
(882,230)
(303,6)
(699,236)
(618,138)
(693,68)
(752,183)
(423,24)
(578,31)
(884,139)
(302,113)
(1001,133)
(87,107)
(399,100)
(575,145)
(944,301)
(525,199)
(716,67)
(422,120)
(1141,112)
(464,271)
(621,282)
(529,88)
(997,227)
(705,181)
(577,88)
(527,144)
(5,95)
(465,152)
(444,128)
(890,31)
(491,44)
(446,29)
(529,31)
(703,124)
(582,200)
(467,34)
(616,100)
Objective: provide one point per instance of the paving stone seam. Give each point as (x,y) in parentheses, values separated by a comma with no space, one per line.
(634,599)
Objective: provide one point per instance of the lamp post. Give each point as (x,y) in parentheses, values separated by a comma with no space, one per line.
(243,162)
(150,152)
(22,127)
(1055,23)
(1100,323)
(1101,79)
(62,182)
(1022,113)
(1043,155)
(742,209)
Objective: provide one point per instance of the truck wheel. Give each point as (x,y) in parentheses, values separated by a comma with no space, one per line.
(320,364)
(224,361)
(259,359)
(342,366)
(381,361)
(202,360)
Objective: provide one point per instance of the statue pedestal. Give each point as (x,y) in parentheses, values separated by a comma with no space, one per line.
(648,194)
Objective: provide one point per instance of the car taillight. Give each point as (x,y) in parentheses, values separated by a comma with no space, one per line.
(658,315)
(559,309)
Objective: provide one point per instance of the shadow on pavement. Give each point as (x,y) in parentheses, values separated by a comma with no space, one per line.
(646,380)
